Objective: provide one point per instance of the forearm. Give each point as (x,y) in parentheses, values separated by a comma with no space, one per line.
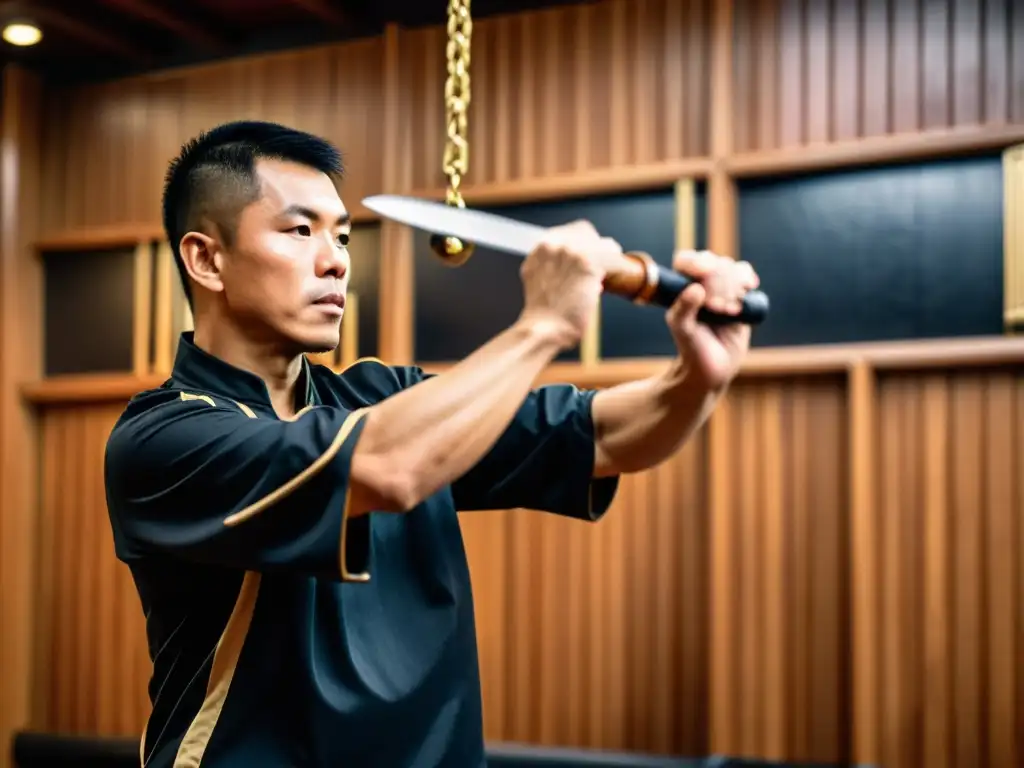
(640,424)
(427,436)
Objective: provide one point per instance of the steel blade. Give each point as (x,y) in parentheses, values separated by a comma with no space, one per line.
(478,227)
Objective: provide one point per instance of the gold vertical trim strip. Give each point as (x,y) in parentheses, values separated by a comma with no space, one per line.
(142,310)
(350,330)
(1013,237)
(222,672)
(590,345)
(686,215)
(164,314)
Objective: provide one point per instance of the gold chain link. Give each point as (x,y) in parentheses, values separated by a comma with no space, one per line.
(456,98)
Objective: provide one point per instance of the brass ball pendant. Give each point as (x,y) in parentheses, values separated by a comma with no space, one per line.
(452,251)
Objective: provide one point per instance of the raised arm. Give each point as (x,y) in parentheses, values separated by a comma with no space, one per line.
(642,423)
(198,478)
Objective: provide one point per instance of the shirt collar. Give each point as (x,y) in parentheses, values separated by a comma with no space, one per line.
(198,369)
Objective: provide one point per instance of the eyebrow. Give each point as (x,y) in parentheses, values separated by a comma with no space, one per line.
(309,213)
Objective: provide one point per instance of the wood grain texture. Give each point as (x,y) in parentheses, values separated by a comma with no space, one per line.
(809,73)
(21,291)
(720,606)
(599,97)
(570,90)
(108,145)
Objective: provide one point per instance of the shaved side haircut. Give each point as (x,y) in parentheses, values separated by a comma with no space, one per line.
(213,178)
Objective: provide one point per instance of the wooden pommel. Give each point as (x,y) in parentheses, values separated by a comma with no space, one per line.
(636,279)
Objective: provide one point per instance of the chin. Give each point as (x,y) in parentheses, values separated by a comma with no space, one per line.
(316,341)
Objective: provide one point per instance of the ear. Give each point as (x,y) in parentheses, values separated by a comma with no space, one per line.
(200,255)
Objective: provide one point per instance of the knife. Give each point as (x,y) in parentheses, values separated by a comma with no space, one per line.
(639,278)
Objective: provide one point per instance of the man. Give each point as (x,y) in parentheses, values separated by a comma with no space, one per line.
(292,532)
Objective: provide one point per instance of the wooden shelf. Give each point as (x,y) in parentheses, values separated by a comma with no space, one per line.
(603,181)
(813,360)
(874,151)
(129,234)
(86,388)
(100,238)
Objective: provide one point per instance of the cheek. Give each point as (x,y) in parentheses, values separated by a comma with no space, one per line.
(271,276)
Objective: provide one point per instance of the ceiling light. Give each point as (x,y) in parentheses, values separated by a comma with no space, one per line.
(22,33)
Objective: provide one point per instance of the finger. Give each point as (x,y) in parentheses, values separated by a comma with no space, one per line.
(747,276)
(696,264)
(728,284)
(582,228)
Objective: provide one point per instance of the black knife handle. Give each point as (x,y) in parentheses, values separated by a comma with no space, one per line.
(644,281)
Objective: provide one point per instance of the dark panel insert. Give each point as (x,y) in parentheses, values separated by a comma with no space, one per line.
(88,311)
(899,252)
(459,309)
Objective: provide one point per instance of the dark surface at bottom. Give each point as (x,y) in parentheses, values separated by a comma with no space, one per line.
(36,750)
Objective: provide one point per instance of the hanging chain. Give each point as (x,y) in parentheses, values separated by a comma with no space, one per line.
(456,98)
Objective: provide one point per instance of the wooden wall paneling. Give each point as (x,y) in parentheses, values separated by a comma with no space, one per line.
(620,104)
(93,667)
(820,85)
(948,668)
(112,142)
(396,241)
(591,635)
(805,76)
(20,357)
(778,619)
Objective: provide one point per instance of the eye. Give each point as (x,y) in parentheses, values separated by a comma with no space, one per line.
(343,240)
(302,230)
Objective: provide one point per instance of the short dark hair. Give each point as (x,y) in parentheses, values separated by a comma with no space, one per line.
(214,178)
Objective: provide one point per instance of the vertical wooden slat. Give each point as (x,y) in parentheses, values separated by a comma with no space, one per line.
(396,268)
(163,308)
(142,308)
(968,590)
(774,705)
(865,553)
(20,356)
(937,577)
(1003,559)
(818,72)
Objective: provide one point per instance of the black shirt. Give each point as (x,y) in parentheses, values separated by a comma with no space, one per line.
(281,633)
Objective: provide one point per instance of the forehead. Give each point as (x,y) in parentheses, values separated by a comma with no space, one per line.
(284,184)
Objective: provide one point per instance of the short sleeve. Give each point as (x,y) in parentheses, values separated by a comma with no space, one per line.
(194,477)
(543,461)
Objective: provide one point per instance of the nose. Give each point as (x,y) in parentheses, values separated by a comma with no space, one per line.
(332,259)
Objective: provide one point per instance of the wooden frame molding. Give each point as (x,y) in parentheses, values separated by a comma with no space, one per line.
(1013,238)
(771,362)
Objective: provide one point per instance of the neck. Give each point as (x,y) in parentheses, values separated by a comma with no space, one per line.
(279,370)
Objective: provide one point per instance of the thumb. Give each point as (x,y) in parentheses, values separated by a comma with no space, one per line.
(683,312)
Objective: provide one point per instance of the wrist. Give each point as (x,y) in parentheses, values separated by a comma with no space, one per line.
(547,332)
(683,378)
